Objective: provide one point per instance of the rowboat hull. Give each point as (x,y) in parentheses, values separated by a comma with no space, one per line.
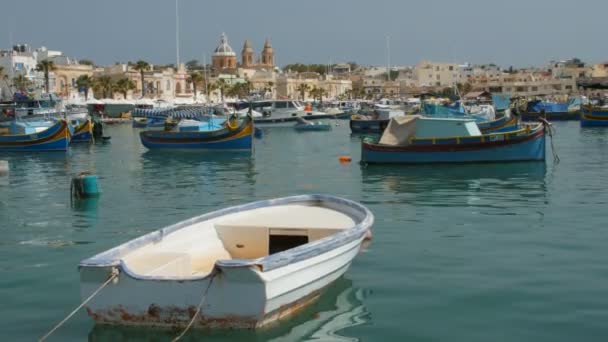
(514,146)
(240,138)
(594,117)
(55,138)
(248,294)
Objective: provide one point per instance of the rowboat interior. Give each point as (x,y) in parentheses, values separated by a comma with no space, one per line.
(192,251)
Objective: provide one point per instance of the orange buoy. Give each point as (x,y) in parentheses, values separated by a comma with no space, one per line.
(345,159)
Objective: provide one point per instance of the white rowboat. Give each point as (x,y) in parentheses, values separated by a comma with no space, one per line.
(249,265)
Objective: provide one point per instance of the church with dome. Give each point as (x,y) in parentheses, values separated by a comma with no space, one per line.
(225,59)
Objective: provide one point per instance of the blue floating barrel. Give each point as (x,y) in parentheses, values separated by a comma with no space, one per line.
(4,167)
(84,185)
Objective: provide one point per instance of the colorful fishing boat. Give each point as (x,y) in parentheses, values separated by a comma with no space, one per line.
(246,266)
(505,123)
(594,116)
(234,134)
(53,138)
(82,131)
(416,140)
(550,111)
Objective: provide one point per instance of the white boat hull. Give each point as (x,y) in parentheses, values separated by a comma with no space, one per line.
(240,295)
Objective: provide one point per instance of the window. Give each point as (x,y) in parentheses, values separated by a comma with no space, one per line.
(451,68)
(568,87)
(534,88)
(438,77)
(520,89)
(280,105)
(291,105)
(168,85)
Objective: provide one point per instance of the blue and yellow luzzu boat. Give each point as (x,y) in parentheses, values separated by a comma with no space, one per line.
(82,132)
(506,123)
(231,136)
(54,138)
(594,116)
(401,143)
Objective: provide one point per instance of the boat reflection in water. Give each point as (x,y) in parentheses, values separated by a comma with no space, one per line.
(338,308)
(466,184)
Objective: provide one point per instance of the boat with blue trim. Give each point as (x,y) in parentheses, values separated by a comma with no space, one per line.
(246,266)
(418,140)
(592,116)
(25,136)
(233,134)
(81,130)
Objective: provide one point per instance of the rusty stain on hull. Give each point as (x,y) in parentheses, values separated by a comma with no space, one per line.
(176,317)
(172,316)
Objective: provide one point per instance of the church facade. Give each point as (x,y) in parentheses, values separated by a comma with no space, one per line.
(225,59)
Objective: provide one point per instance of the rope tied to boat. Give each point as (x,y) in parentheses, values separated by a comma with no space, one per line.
(198,309)
(113,274)
(551,132)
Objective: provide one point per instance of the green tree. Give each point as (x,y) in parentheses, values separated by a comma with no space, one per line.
(46,66)
(123,86)
(86,62)
(303,88)
(196,79)
(142,67)
(318,93)
(105,86)
(222,85)
(85,82)
(21,83)
(211,87)
(193,65)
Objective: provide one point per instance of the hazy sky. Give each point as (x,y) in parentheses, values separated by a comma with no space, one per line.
(510,32)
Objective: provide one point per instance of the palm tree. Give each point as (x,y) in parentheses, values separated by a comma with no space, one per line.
(123,86)
(303,89)
(196,79)
(222,85)
(211,87)
(142,66)
(105,85)
(21,82)
(85,82)
(318,93)
(46,66)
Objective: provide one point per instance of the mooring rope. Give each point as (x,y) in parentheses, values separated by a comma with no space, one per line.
(112,276)
(198,309)
(551,132)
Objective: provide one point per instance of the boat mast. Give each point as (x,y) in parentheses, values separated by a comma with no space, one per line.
(388,59)
(176,35)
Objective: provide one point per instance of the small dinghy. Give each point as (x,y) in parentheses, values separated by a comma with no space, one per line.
(305,125)
(241,267)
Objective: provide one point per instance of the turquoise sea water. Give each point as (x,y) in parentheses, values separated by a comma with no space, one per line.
(512,252)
